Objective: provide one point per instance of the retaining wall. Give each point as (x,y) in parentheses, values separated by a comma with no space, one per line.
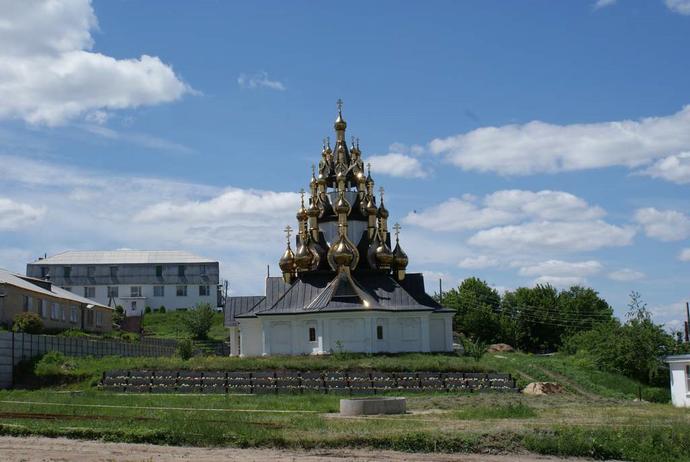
(274,381)
(17,347)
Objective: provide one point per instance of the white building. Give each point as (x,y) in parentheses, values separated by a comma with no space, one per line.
(133,279)
(343,288)
(679,366)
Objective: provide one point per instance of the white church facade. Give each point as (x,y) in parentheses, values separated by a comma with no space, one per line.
(342,288)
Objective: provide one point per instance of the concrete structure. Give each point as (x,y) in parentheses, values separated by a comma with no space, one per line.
(133,279)
(372,406)
(679,366)
(59,308)
(343,288)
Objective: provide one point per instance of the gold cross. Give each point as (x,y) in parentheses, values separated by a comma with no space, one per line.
(340,104)
(301,194)
(288,232)
(396,227)
(381,191)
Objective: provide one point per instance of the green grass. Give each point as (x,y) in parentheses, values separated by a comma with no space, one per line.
(169,325)
(501,411)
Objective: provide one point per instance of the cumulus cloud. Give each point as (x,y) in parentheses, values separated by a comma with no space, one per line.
(561,282)
(679,6)
(259,80)
(672,168)
(665,225)
(603,3)
(15,215)
(553,236)
(396,164)
(482,261)
(504,207)
(561,268)
(539,147)
(684,255)
(49,76)
(625,275)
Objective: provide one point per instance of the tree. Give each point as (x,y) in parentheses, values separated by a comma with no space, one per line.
(477,308)
(535,312)
(581,308)
(29,323)
(198,321)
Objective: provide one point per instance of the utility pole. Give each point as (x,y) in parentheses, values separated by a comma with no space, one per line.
(687,322)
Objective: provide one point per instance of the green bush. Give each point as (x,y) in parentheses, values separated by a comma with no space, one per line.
(198,321)
(147,310)
(161,309)
(29,323)
(473,348)
(185,349)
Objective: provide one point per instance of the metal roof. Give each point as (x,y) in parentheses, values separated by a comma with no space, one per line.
(104,257)
(26,283)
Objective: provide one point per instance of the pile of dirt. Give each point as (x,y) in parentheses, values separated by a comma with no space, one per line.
(500,348)
(543,388)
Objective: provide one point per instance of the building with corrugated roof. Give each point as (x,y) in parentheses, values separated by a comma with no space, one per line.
(342,288)
(133,279)
(58,308)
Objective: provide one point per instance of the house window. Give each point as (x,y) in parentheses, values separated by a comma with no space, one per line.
(44,271)
(99,318)
(113,292)
(26,302)
(180,270)
(113,271)
(90,271)
(312,334)
(90,292)
(181,291)
(63,313)
(53,310)
(203,270)
(73,315)
(204,291)
(67,271)
(135,291)
(379,332)
(159,291)
(42,308)
(159,271)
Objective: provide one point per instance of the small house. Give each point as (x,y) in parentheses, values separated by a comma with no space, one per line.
(680,379)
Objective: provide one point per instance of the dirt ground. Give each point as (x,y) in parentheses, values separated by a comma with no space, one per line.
(65,450)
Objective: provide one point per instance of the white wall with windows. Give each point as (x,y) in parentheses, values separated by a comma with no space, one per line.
(322,333)
(135,298)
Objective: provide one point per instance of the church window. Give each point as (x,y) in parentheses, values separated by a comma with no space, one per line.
(312,334)
(379,332)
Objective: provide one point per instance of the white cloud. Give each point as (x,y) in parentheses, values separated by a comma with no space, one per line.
(504,207)
(684,255)
(139,139)
(537,147)
(603,3)
(548,236)
(679,6)
(562,268)
(259,80)
(665,225)
(395,164)
(482,261)
(49,76)
(672,168)
(15,215)
(561,282)
(625,275)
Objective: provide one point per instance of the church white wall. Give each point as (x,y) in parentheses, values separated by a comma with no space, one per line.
(402,332)
(680,391)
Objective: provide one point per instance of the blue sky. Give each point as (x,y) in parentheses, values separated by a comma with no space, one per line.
(520,142)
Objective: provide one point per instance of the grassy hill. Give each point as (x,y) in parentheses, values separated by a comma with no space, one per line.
(169,325)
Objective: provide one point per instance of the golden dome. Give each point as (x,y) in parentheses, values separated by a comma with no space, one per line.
(314,209)
(287,261)
(303,257)
(301,212)
(400,259)
(342,206)
(383,212)
(371,206)
(342,253)
(383,255)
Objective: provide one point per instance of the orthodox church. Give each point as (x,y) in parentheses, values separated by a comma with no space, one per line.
(342,287)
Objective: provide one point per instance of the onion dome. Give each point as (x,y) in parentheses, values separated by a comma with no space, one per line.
(342,206)
(383,255)
(400,259)
(303,256)
(371,206)
(301,212)
(340,124)
(341,252)
(287,261)
(382,212)
(313,182)
(314,209)
(369,180)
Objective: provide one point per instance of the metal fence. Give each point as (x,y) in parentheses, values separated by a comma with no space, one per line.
(296,382)
(15,347)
